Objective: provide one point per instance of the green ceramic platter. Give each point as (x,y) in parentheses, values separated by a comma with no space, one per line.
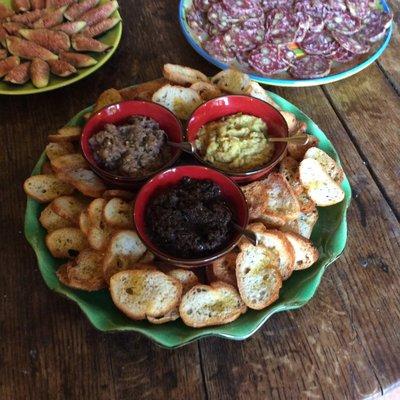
(329,235)
(112,38)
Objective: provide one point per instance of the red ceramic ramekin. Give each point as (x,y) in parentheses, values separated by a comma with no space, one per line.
(118,114)
(224,106)
(230,191)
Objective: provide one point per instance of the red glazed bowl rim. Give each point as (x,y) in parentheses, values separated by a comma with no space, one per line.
(107,175)
(194,262)
(253,171)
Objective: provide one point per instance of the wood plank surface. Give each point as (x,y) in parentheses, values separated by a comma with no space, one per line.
(343,345)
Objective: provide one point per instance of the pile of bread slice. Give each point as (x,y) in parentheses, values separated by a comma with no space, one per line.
(91,227)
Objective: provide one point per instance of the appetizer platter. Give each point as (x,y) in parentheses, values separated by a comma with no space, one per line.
(180,233)
(288,43)
(48,44)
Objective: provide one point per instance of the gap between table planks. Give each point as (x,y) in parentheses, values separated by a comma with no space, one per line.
(343,344)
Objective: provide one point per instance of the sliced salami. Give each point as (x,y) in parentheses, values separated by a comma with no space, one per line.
(358,8)
(197,22)
(239,40)
(281,26)
(352,43)
(216,47)
(267,60)
(203,5)
(220,17)
(304,23)
(343,56)
(310,67)
(243,9)
(321,43)
(337,5)
(269,5)
(343,22)
(376,25)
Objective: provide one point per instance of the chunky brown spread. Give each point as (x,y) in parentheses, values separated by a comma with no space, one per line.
(136,148)
(189,220)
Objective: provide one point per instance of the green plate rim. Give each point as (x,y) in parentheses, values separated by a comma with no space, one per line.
(32,230)
(83,73)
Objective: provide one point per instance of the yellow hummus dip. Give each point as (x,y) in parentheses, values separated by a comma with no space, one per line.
(236,143)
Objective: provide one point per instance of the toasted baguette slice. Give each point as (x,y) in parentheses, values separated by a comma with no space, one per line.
(68,161)
(322,189)
(289,168)
(223,269)
(183,75)
(206,90)
(254,89)
(144,91)
(52,221)
(107,98)
(66,134)
(216,304)
(180,100)
(45,188)
(95,211)
(259,281)
(304,224)
(142,293)
(66,242)
(328,164)
(186,277)
(124,250)
(306,204)
(121,194)
(169,317)
(85,272)
(291,121)
(84,222)
(55,150)
(231,81)
(297,151)
(271,200)
(118,213)
(305,254)
(276,241)
(84,180)
(68,207)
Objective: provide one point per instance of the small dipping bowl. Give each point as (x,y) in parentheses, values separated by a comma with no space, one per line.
(118,114)
(224,106)
(231,193)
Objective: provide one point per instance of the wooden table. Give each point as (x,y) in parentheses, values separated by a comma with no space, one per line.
(345,344)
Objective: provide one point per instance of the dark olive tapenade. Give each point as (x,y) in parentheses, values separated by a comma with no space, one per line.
(136,148)
(190,219)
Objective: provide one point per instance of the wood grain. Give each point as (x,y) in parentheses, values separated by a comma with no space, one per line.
(343,345)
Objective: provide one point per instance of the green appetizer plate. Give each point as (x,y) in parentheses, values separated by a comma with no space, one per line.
(329,235)
(112,38)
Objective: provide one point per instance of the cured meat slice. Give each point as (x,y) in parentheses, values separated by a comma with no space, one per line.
(304,21)
(282,26)
(239,40)
(216,47)
(320,44)
(269,5)
(242,9)
(358,8)
(197,22)
(220,17)
(376,25)
(267,60)
(343,56)
(310,67)
(203,5)
(343,22)
(352,43)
